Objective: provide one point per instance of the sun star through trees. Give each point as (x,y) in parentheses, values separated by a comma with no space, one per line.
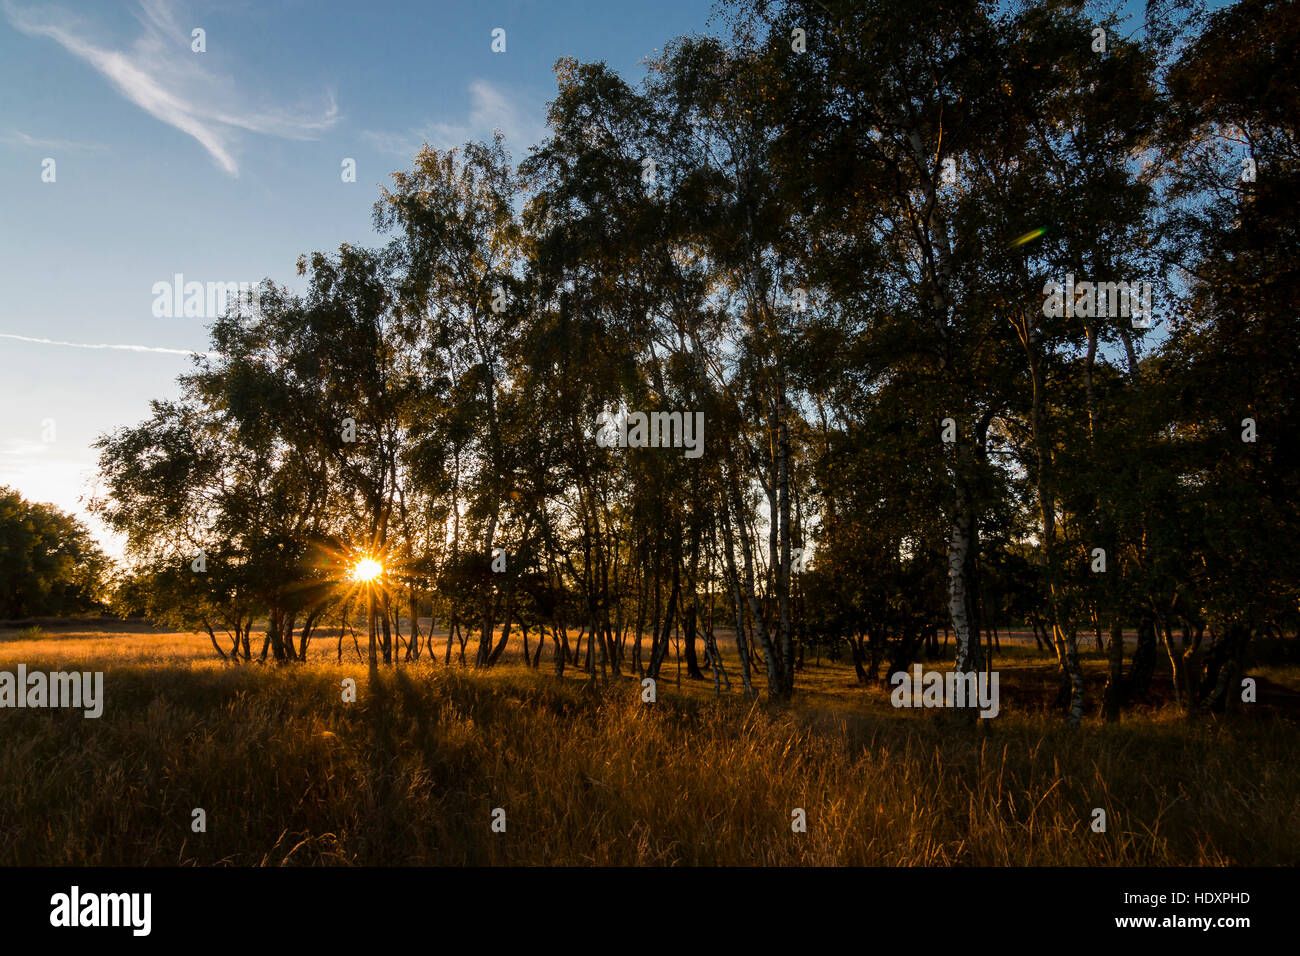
(366,570)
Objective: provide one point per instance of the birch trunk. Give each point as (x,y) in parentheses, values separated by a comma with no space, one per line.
(756,612)
(783,568)
(742,646)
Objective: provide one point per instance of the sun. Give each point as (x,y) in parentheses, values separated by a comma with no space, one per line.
(366,570)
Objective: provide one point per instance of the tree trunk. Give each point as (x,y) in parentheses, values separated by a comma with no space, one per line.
(561,650)
(1114,694)
(1223,668)
(1144,660)
(505,628)
(370,631)
(1175,662)
(783,567)
(661,649)
(741,645)
(693,671)
(215,646)
(413,647)
(774,682)
(961,534)
(1064,639)
(855,647)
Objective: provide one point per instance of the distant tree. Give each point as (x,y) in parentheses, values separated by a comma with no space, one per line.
(49,563)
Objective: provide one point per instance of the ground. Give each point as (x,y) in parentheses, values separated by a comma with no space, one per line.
(287,772)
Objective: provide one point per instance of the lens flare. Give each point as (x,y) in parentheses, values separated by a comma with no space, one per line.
(1027,237)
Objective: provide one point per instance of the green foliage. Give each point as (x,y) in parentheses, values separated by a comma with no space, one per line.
(49,563)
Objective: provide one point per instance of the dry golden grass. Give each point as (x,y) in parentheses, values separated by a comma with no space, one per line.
(409,774)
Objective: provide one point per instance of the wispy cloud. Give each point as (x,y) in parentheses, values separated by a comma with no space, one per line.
(161,75)
(490,107)
(19,138)
(124,348)
(19,447)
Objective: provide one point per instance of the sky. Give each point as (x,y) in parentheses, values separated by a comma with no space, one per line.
(226,165)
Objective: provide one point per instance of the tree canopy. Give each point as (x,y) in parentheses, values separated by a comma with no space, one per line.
(50,564)
(863,322)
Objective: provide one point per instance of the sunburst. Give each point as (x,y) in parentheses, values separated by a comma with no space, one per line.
(366,569)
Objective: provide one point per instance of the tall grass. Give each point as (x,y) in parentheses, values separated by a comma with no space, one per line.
(409,774)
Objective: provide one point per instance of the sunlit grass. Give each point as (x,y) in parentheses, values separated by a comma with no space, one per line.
(410,773)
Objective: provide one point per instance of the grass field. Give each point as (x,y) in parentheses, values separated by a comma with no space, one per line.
(288,773)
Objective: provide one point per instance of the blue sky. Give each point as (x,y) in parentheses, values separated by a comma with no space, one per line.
(225,166)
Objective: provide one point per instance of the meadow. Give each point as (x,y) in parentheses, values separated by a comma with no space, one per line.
(286,772)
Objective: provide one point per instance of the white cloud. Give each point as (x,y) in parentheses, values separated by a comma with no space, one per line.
(124,348)
(163,77)
(19,138)
(517,116)
(18,447)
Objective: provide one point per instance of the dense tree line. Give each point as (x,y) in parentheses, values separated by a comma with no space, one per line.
(50,564)
(844,235)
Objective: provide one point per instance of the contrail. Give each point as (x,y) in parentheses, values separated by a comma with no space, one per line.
(124,348)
